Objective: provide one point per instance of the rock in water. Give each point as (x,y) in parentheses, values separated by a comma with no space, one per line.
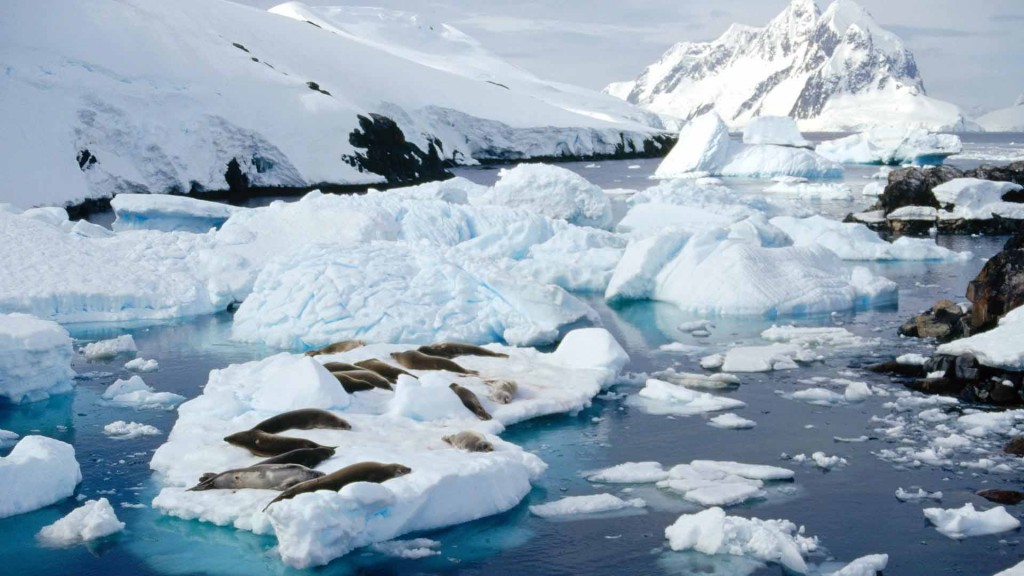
(945,321)
(999,287)
(1015,446)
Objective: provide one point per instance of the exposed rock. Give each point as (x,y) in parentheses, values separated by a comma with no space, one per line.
(1008,497)
(1015,446)
(945,321)
(389,154)
(999,287)
(894,367)
(913,187)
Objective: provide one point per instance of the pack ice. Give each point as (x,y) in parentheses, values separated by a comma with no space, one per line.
(891,145)
(446,486)
(35,358)
(38,472)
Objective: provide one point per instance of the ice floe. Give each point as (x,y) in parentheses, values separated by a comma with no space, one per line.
(94,519)
(35,358)
(7,438)
(717,381)
(811,190)
(852,241)
(168,213)
(577,505)
(966,522)
(630,473)
(550,191)
(121,430)
(921,494)
(870,565)
(135,393)
(821,460)
(891,145)
(38,472)
(975,199)
(731,422)
(659,398)
(106,349)
(142,365)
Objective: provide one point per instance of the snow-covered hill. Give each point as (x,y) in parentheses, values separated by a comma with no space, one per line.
(836,70)
(108,96)
(1006,119)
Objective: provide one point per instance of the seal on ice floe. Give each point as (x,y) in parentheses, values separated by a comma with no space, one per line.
(262,444)
(260,476)
(361,472)
(302,419)
(502,390)
(416,360)
(308,457)
(469,440)
(337,347)
(383,368)
(470,401)
(353,381)
(452,349)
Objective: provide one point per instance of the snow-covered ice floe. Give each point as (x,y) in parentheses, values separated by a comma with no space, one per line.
(135,393)
(405,426)
(705,148)
(891,145)
(921,494)
(965,522)
(852,241)
(121,430)
(94,519)
(582,505)
(38,472)
(629,473)
(659,398)
(731,422)
(801,188)
(168,213)
(7,438)
(35,358)
(106,349)
(142,365)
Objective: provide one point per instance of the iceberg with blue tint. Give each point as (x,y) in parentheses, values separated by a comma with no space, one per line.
(891,145)
(168,213)
(38,472)
(35,358)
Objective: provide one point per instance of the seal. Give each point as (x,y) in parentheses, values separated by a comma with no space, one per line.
(470,401)
(383,368)
(352,384)
(416,360)
(452,349)
(302,419)
(262,444)
(340,367)
(469,440)
(361,472)
(337,347)
(502,391)
(359,379)
(308,457)
(261,476)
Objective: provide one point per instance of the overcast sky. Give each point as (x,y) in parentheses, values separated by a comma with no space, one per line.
(970,52)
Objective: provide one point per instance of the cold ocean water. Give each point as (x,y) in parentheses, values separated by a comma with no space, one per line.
(851,509)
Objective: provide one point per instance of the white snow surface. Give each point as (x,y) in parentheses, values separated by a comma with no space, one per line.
(121,430)
(869,565)
(592,504)
(94,519)
(1000,347)
(812,190)
(712,532)
(977,199)
(778,130)
(965,522)
(312,529)
(35,358)
(38,472)
(891,145)
(1009,119)
(550,191)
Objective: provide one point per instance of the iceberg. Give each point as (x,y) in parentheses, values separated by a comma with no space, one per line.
(107,349)
(168,213)
(731,422)
(35,358)
(121,430)
(577,505)
(38,472)
(777,130)
(702,148)
(965,522)
(550,191)
(94,519)
(850,241)
(134,392)
(891,145)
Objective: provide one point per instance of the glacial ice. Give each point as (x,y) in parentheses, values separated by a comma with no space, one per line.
(168,213)
(35,358)
(702,149)
(965,522)
(312,529)
(891,145)
(135,393)
(550,191)
(94,519)
(142,365)
(576,505)
(778,130)
(38,472)
(106,349)
(852,241)
(869,565)
(7,438)
(812,190)
(769,161)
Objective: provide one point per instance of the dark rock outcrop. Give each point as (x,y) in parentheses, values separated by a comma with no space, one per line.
(1015,446)
(389,154)
(999,287)
(945,321)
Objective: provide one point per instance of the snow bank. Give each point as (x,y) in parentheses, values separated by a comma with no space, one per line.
(397,292)
(38,472)
(977,199)
(106,349)
(713,532)
(577,505)
(168,213)
(35,358)
(1000,347)
(135,393)
(94,519)
(891,145)
(550,191)
(442,490)
(964,522)
(659,397)
(778,130)
(858,242)
(121,430)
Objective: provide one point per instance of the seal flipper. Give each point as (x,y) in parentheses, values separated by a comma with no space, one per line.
(205,482)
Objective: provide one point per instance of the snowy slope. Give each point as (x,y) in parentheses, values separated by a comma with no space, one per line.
(1005,119)
(836,70)
(108,96)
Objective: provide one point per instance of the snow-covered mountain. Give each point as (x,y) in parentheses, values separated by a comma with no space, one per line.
(1005,119)
(108,96)
(836,70)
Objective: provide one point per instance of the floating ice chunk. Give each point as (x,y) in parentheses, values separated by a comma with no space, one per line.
(731,422)
(594,504)
(912,213)
(779,130)
(912,359)
(818,397)
(712,362)
(712,532)
(134,392)
(7,438)
(965,522)
(821,460)
(763,358)
(1001,347)
(38,472)
(816,190)
(722,494)
(767,161)
(978,199)
(681,348)
(630,473)
(551,191)
(719,381)
(106,349)
(410,549)
(695,326)
(751,471)
(142,365)
(94,519)
(850,440)
(35,358)
(659,398)
(710,486)
(857,392)
(852,241)
(168,213)
(121,430)
(703,148)
(869,565)
(402,293)
(816,336)
(921,494)
(891,145)
(873,189)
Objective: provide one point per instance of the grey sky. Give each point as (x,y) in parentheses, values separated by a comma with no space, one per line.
(969,51)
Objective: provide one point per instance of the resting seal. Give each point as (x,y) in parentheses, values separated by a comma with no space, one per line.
(261,476)
(502,391)
(340,367)
(303,419)
(469,400)
(361,472)
(416,360)
(357,381)
(452,349)
(337,347)
(262,444)
(469,440)
(383,368)
(308,457)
